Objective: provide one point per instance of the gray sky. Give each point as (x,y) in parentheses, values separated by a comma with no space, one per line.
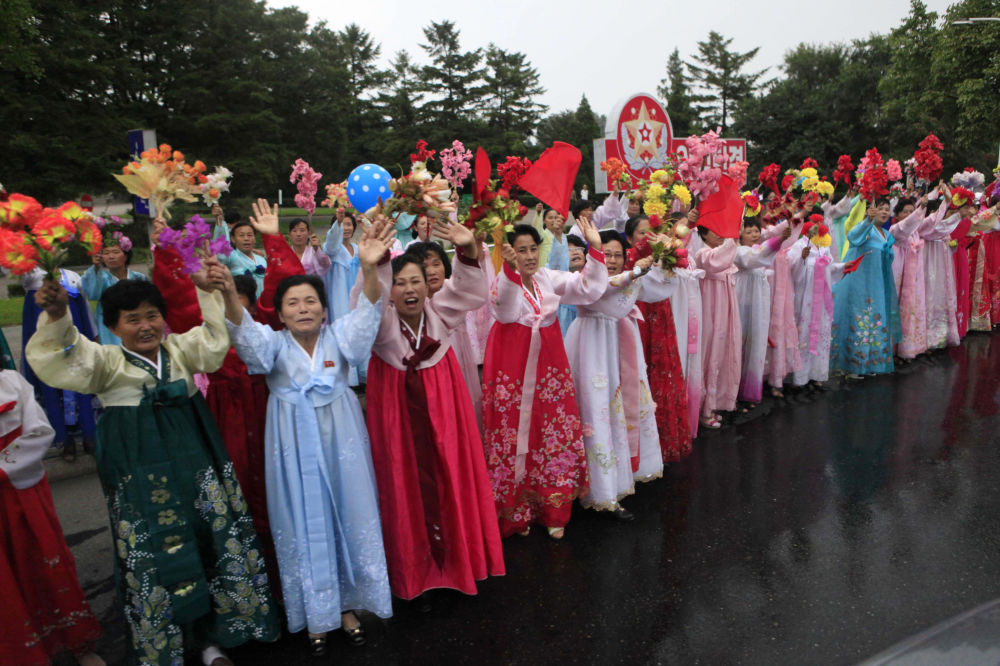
(609,50)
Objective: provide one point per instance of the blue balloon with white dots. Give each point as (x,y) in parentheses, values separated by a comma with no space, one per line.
(366,185)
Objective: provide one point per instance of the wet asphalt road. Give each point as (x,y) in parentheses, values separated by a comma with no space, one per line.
(821,532)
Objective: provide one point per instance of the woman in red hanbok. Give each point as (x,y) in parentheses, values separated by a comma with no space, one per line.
(534,441)
(438,517)
(43,610)
(663,361)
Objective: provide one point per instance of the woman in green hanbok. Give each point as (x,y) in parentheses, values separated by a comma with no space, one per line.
(188,568)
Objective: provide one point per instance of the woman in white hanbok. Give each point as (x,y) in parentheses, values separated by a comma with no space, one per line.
(609,371)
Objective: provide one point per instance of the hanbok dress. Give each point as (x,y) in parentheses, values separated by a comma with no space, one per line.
(753,294)
(240,263)
(339,279)
(941,307)
(686,307)
(865,307)
(782,355)
(438,514)
(664,371)
(236,398)
(835,216)
(534,444)
(961,252)
(315,262)
(44,611)
(612,389)
(186,555)
(984,273)
(722,329)
(94,282)
(322,500)
(64,409)
(908,277)
(813,279)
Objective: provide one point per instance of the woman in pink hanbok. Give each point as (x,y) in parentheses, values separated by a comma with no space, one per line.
(685,305)
(534,443)
(782,355)
(753,293)
(308,248)
(941,304)
(612,388)
(721,326)
(908,272)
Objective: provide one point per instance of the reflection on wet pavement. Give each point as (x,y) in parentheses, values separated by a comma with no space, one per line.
(823,533)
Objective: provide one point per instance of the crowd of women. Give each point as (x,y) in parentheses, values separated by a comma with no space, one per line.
(244,481)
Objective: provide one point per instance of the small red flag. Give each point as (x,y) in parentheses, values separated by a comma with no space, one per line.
(722,212)
(552,175)
(483,169)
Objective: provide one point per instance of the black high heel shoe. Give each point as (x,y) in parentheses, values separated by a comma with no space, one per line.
(356,636)
(317,645)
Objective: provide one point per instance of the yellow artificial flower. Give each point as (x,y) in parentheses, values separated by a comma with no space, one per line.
(656,192)
(682,193)
(651,207)
(808,173)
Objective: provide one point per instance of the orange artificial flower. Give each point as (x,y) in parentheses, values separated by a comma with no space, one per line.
(19,211)
(199,165)
(51,230)
(89,236)
(71,211)
(17,254)
(165,148)
(213,192)
(178,156)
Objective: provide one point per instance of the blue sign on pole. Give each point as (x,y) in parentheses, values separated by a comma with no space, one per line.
(138,141)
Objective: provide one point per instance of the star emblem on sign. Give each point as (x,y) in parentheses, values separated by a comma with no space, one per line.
(644,134)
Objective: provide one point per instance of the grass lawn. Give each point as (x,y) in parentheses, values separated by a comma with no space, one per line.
(10,311)
(300,212)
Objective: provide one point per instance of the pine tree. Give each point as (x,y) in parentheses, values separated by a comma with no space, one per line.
(718,73)
(510,103)
(674,91)
(453,82)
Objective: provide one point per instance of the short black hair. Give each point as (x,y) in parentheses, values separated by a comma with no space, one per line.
(881,200)
(423,249)
(633,224)
(751,222)
(232,217)
(524,230)
(294,281)
(575,240)
(400,262)
(580,206)
(129,295)
(902,203)
(237,225)
(296,222)
(612,236)
(246,286)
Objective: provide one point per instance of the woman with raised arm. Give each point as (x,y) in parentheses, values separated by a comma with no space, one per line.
(321,498)
(307,248)
(438,515)
(189,566)
(534,443)
(609,371)
(340,247)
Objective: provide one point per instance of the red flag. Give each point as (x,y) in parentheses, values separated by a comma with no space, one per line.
(483,169)
(722,212)
(852,266)
(552,175)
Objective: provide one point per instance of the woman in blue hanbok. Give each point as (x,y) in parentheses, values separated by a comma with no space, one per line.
(110,266)
(322,500)
(865,306)
(340,277)
(244,260)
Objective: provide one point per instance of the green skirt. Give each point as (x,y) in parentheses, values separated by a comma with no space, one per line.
(186,554)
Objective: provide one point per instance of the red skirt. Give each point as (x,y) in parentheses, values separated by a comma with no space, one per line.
(991,241)
(556,464)
(666,379)
(960,258)
(472,547)
(238,401)
(44,611)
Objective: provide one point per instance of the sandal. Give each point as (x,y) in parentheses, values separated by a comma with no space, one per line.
(776,393)
(317,645)
(712,423)
(557,532)
(356,635)
(525,532)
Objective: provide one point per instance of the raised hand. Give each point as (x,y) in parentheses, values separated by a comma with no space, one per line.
(645,263)
(786,233)
(590,233)
(456,234)
(203,277)
(375,242)
(692,216)
(217,213)
(314,240)
(52,298)
(508,255)
(264,218)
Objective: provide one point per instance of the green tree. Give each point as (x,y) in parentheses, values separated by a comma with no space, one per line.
(453,83)
(718,73)
(905,117)
(401,109)
(674,90)
(510,102)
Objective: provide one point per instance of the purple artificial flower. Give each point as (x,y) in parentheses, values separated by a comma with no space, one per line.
(220,246)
